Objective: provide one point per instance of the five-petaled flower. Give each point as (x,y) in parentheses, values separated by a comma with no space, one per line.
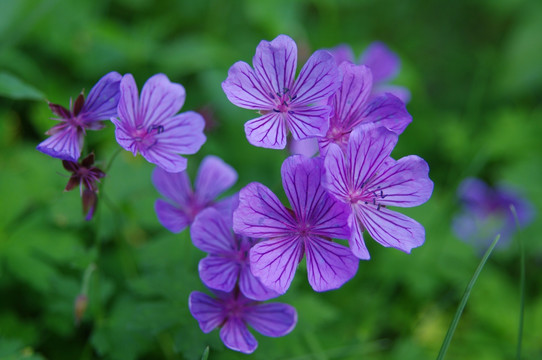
(228,260)
(300,106)
(150,125)
(353,106)
(369,180)
(233,312)
(287,235)
(66,138)
(183,204)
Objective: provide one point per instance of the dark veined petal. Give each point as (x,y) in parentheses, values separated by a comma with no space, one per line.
(167,160)
(275,261)
(103,98)
(403,183)
(235,335)
(64,144)
(252,287)
(275,64)
(210,233)
(214,177)
(128,107)
(260,214)
(267,131)
(123,130)
(174,186)
(219,273)
(384,63)
(274,319)
(329,265)
(317,81)
(350,98)
(368,148)
(306,122)
(336,179)
(207,311)
(390,228)
(181,134)
(245,90)
(171,217)
(160,99)
(356,241)
(312,205)
(386,110)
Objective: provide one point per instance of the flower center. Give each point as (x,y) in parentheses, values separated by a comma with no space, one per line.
(367,197)
(144,139)
(283,101)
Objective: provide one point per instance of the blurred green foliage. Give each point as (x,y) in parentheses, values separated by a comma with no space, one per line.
(474,69)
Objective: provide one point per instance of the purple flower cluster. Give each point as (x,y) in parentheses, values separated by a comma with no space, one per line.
(253,242)
(148,125)
(342,193)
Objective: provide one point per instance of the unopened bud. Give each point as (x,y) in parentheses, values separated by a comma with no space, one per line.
(79,308)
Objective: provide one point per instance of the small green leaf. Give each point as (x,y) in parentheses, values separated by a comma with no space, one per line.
(14,88)
(205,355)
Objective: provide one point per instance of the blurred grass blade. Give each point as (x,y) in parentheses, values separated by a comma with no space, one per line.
(463,302)
(205,355)
(14,88)
(521,282)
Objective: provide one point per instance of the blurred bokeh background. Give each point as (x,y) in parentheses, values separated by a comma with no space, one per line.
(474,69)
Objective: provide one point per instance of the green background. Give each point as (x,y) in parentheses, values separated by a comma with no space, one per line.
(475,72)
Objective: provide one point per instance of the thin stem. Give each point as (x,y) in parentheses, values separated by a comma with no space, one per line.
(463,303)
(113,157)
(521,283)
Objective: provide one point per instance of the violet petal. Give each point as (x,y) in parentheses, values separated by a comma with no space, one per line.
(329,265)
(274,319)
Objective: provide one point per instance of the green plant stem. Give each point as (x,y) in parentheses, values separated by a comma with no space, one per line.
(521,283)
(463,303)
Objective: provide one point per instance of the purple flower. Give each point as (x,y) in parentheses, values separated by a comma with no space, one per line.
(233,312)
(384,64)
(287,235)
(149,125)
(284,103)
(368,179)
(228,256)
(486,213)
(353,105)
(183,204)
(66,138)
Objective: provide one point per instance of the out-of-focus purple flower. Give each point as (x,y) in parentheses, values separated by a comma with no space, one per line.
(369,180)
(300,106)
(384,64)
(66,138)
(353,105)
(228,259)
(151,126)
(233,312)
(183,204)
(86,176)
(315,218)
(486,213)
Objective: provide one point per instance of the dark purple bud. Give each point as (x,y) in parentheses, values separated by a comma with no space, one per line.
(79,308)
(78,105)
(90,200)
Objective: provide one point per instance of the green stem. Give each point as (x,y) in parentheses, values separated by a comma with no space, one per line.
(521,283)
(463,303)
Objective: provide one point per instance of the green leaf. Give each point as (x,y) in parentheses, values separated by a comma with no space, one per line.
(205,355)
(14,88)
